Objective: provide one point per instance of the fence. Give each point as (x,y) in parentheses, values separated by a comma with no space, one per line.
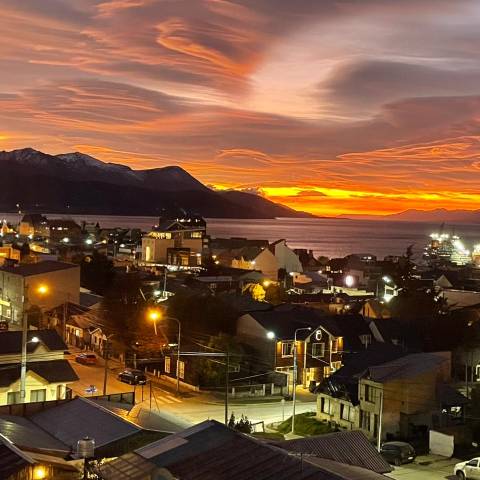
(259,390)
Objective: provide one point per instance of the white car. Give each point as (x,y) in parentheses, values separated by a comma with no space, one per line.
(467,470)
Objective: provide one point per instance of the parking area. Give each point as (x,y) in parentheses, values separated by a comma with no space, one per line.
(426,467)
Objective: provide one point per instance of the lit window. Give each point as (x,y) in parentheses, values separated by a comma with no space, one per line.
(181,369)
(287,349)
(334,345)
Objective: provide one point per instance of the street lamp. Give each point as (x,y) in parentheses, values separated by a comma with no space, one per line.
(155,315)
(349,281)
(295,372)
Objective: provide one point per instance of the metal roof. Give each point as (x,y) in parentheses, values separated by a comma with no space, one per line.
(39,268)
(349,447)
(25,434)
(54,371)
(11,341)
(72,421)
(12,460)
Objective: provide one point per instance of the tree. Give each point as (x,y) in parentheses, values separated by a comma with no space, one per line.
(96,272)
(244,425)
(255,290)
(275,294)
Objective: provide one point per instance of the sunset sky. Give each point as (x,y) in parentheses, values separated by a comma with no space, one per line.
(346,106)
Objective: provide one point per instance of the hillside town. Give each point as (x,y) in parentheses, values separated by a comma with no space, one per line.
(119,346)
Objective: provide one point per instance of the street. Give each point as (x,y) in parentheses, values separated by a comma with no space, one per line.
(185,410)
(428,467)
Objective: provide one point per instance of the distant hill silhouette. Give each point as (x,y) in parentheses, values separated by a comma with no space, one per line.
(79,183)
(437,215)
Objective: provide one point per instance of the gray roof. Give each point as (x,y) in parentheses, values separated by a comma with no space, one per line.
(71,421)
(407,367)
(211,450)
(89,299)
(349,447)
(25,434)
(29,269)
(54,371)
(12,460)
(11,341)
(349,472)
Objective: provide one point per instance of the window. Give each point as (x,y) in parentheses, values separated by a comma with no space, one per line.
(196,234)
(181,369)
(325,405)
(287,349)
(38,395)
(13,397)
(167,364)
(318,350)
(366,339)
(347,412)
(326,372)
(369,393)
(365,420)
(334,345)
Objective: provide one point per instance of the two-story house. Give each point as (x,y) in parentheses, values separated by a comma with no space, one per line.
(44,285)
(404,397)
(180,241)
(48,372)
(271,334)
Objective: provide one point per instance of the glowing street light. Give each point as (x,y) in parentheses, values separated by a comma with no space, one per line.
(270,335)
(42,289)
(154,315)
(349,281)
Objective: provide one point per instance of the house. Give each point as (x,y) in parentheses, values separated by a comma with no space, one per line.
(179,241)
(255,258)
(287,259)
(9,253)
(43,285)
(400,398)
(271,334)
(64,230)
(48,373)
(375,309)
(212,450)
(50,431)
(34,225)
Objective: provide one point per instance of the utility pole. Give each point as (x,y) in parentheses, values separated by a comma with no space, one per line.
(227,380)
(23,369)
(105,372)
(295,372)
(380,419)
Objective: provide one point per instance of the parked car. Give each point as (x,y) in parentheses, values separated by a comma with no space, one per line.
(132,377)
(86,358)
(398,452)
(467,470)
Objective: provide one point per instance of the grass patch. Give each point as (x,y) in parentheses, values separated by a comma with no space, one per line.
(305,424)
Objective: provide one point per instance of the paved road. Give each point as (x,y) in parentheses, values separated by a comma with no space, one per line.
(186,410)
(426,468)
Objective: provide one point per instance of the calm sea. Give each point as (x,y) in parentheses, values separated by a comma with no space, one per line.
(329,237)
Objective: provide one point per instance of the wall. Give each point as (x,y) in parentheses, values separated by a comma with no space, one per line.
(287,258)
(333,407)
(33,382)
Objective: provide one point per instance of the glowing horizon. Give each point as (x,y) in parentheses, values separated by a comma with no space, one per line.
(332,107)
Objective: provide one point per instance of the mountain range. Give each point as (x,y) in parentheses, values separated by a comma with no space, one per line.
(438,215)
(78,183)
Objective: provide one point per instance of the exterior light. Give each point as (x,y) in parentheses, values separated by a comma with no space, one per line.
(42,290)
(349,281)
(65,239)
(88,241)
(217,262)
(266,283)
(154,315)
(157,293)
(270,335)
(122,245)
(34,340)
(386,279)
(253,262)
(39,472)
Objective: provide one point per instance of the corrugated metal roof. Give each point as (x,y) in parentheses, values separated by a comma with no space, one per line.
(349,447)
(12,460)
(25,434)
(72,421)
